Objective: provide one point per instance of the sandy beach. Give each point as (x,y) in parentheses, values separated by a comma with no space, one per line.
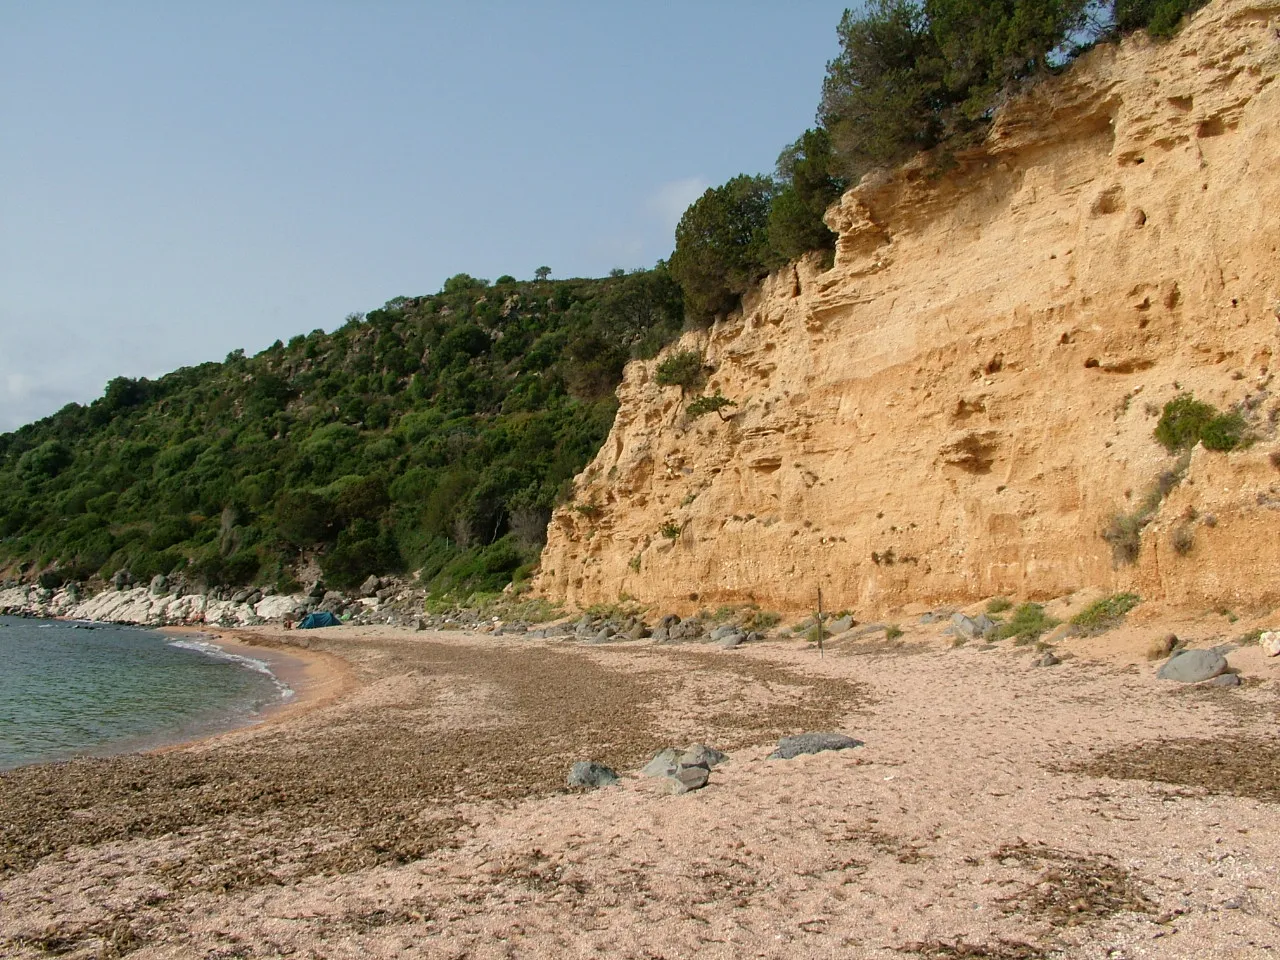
(411,803)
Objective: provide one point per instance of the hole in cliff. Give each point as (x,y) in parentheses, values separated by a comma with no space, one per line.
(1091,362)
(967,408)
(1064,339)
(1181,103)
(1213,127)
(1108,201)
(995,364)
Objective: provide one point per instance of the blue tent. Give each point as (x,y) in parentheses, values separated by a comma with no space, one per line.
(312,620)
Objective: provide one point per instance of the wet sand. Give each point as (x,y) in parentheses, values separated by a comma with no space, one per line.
(315,678)
(996,810)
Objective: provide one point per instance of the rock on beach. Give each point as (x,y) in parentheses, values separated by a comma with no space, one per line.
(1193,666)
(789,747)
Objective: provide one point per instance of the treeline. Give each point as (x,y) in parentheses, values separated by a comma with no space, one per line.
(433,434)
(911,75)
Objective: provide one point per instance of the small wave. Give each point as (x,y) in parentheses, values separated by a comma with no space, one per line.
(215,651)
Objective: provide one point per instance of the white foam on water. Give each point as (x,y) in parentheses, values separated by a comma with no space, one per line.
(215,651)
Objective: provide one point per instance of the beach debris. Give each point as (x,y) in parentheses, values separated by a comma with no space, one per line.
(789,747)
(590,775)
(1193,666)
(1269,640)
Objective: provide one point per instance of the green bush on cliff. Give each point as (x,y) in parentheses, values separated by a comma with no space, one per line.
(1186,421)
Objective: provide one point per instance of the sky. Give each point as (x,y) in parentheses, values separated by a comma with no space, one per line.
(181,180)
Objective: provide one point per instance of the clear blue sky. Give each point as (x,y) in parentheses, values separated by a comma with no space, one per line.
(179,180)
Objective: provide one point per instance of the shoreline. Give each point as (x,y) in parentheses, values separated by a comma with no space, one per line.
(317,679)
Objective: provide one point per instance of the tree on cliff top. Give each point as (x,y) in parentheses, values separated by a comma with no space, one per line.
(808,185)
(911,72)
(722,246)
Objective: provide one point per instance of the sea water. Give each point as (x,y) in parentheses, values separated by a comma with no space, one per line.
(68,689)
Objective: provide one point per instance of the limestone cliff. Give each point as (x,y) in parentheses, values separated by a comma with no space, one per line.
(959,406)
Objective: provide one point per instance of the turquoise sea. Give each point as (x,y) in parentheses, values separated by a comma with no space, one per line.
(69,689)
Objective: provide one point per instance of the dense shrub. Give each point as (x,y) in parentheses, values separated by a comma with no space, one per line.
(683,369)
(1161,18)
(1186,421)
(807,186)
(722,246)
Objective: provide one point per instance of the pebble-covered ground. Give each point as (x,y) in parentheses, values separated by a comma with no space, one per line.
(997,810)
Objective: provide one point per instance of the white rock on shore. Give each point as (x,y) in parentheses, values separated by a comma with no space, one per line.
(141,607)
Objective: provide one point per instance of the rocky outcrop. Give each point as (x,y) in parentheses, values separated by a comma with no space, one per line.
(960,405)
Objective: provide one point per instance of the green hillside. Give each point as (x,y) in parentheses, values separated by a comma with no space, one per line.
(435,433)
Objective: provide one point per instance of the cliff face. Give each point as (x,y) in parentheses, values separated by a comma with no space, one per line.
(961,404)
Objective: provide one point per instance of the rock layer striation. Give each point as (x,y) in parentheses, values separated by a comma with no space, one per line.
(965,402)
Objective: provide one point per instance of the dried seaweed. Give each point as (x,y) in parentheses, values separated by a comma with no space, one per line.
(962,950)
(1071,888)
(1238,766)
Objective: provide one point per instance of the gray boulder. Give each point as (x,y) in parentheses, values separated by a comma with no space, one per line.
(159,585)
(724,630)
(664,763)
(370,586)
(731,640)
(841,625)
(589,775)
(691,629)
(700,753)
(687,778)
(971,628)
(1193,666)
(789,747)
(865,630)
(317,590)
(669,621)
(686,770)
(1048,660)
(661,635)
(122,579)
(1224,680)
